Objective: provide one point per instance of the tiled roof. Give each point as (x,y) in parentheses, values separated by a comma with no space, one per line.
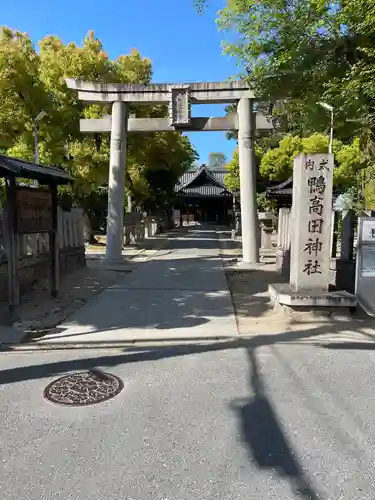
(218,173)
(203,191)
(283,189)
(203,182)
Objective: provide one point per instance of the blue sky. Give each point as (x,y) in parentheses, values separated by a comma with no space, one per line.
(182,45)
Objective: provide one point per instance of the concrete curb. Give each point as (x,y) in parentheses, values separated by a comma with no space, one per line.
(61,346)
(241,340)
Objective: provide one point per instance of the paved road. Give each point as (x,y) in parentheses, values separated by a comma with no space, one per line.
(230,420)
(217,421)
(181,292)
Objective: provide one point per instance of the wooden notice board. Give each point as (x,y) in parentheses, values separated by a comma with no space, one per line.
(33,210)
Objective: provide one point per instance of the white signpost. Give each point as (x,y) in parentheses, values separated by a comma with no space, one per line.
(365,264)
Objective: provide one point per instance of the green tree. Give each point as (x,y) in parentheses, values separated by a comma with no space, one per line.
(22,95)
(216,160)
(297,53)
(276,163)
(232,179)
(30,82)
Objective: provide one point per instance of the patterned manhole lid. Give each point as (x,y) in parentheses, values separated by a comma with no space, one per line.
(85,388)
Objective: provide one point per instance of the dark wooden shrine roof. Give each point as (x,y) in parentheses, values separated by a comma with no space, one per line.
(282,190)
(203,182)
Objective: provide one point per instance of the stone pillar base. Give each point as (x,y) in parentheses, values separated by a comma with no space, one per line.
(282,293)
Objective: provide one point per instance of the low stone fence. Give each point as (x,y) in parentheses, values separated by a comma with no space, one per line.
(33,253)
(137,227)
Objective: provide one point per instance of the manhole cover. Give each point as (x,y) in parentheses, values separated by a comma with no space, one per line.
(85,388)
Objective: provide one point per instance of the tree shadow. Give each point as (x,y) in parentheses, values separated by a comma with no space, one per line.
(153,352)
(172,291)
(263,435)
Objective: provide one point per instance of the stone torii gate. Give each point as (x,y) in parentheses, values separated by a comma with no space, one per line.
(179,97)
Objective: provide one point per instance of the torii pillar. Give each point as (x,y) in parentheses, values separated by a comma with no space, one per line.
(116,181)
(246,158)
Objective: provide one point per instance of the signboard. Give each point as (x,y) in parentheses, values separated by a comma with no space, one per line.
(179,107)
(368,230)
(368,261)
(365,264)
(33,210)
(311,220)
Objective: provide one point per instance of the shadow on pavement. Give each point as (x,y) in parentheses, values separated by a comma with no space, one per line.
(170,292)
(264,437)
(148,352)
(261,429)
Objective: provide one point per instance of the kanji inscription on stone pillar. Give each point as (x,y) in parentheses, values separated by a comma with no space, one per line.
(311,222)
(179,107)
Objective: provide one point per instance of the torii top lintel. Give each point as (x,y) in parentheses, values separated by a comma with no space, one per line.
(160,93)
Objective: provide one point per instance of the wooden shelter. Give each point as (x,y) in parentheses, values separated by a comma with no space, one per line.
(30,210)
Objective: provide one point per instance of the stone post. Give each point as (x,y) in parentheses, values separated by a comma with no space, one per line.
(130,204)
(333,241)
(69,225)
(116,182)
(246,155)
(347,235)
(280,227)
(78,221)
(283,243)
(311,223)
(60,230)
(64,220)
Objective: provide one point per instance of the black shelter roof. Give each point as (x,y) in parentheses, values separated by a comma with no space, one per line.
(43,174)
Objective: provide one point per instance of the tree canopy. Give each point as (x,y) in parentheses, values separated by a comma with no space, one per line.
(217,160)
(296,53)
(305,51)
(32,81)
(276,163)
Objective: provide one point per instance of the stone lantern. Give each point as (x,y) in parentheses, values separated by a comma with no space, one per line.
(267,221)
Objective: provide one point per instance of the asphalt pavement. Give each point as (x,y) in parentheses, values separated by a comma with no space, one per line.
(207,421)
(227,419)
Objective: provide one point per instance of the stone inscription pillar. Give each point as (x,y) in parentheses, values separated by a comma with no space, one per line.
(246,155)
(116,182)
(311,222)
